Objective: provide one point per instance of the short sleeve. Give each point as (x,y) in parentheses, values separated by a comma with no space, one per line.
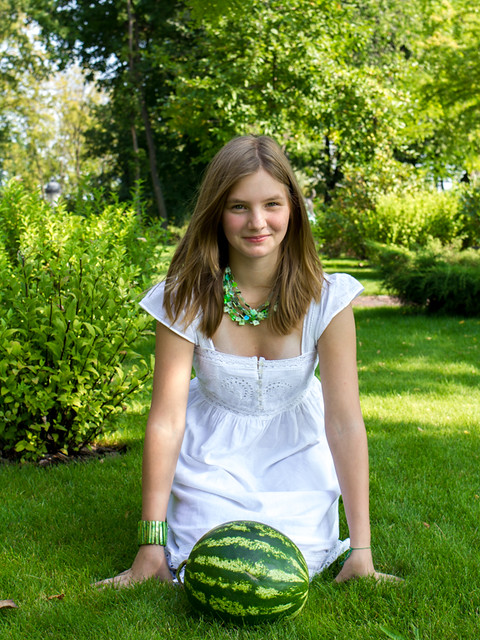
(339,290)
(153,304)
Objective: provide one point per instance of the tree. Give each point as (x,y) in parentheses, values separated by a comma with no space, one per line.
(285,69)
(436,78)
(111,40)
(340,85)
(48,128)
(450,84)
(19,57)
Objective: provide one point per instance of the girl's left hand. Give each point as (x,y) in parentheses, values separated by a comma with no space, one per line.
(359,564)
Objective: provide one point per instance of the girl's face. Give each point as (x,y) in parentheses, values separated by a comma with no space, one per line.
(256,216)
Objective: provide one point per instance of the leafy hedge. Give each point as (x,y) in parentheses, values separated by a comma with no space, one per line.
(69,323)
(470,210)
(408,220)
(441,279)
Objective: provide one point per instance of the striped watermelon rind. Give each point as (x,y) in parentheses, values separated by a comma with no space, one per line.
(246,572)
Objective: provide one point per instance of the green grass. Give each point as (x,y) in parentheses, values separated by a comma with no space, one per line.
(367,274)
(63,527)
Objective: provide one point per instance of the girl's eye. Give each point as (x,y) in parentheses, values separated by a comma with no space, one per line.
(273,204)
(238,207)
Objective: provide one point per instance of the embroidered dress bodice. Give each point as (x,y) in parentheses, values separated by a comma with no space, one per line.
(254,446)
(247,386)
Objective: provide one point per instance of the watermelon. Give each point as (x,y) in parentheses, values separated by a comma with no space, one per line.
(246,572)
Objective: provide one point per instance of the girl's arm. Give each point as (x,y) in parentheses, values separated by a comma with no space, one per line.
(163,439)
(347,437)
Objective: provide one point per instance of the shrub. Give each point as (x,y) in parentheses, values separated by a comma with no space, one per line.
(68,324)
(338,232)
(413,219)
(443,279)
(337,228)
(470,210)
(408,220)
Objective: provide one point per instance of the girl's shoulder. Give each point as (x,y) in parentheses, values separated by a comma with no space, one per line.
(338,291)
(338,287)
(152,303)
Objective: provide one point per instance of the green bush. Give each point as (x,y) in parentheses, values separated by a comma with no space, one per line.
(338,232)
(338,229)
(413,219)
(69,320)
(470,210)
(408,220)
(441,279)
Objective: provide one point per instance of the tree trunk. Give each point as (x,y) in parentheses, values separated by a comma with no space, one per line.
(137,85)
(152,158)
(133,131)
(333,173)
(131,68)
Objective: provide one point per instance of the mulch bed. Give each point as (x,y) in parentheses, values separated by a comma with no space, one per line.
(92,451)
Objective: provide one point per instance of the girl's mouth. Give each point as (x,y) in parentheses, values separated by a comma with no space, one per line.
(256,239)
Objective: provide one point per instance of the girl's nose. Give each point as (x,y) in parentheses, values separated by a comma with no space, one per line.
(256,219)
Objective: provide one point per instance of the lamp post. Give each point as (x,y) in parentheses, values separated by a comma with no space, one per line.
(53,191)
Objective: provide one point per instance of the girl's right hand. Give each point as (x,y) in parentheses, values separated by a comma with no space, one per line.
(150,562)
(359,564)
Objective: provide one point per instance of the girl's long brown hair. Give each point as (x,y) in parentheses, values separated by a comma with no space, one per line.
(194,283)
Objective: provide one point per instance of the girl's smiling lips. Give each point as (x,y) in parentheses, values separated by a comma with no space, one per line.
(254,239)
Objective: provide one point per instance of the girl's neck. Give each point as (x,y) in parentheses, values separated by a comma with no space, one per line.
(254,273)
(255,278)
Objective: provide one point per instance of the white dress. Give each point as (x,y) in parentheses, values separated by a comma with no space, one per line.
(254,446)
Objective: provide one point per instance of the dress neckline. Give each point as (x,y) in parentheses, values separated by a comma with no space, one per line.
(209,344)
(249,361)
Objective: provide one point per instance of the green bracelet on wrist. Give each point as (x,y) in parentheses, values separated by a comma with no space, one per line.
(349,553)
(152,532)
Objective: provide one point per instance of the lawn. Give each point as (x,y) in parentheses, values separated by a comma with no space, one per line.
(62,527)
(360,269)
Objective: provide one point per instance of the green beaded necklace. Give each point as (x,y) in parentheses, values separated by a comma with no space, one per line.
(236,307)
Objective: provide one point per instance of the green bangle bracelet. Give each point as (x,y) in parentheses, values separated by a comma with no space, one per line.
(152,532)
(349,553)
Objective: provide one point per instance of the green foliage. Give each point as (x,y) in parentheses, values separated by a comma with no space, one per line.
(19,59)
(48,120)
(412,219)
(200,73)
(438,278)
(447,85)
(470,210)
(288,70)
(337,83)
(339,232)
(68,323)
(350,224)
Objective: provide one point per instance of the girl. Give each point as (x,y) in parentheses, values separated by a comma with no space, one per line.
(255,435)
